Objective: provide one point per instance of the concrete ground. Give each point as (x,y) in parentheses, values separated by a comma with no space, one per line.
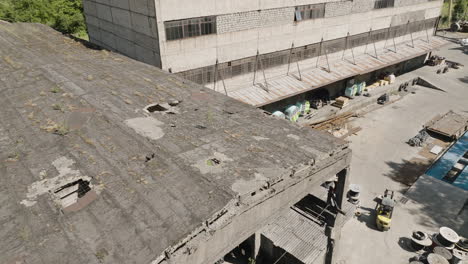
(380,156)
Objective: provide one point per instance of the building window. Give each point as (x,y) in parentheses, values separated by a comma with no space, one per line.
(187,28)
(309,12)
(384,4)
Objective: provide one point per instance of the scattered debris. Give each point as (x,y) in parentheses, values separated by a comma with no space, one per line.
(213,162)
(174,102)
(435,60)
(149,157)
(385,98)
(200,127)
(334,122)
(419,139)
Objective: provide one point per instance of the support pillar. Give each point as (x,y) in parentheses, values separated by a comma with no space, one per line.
(334,233)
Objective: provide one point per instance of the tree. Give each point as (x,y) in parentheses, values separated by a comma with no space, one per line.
(65,16)
(459,10)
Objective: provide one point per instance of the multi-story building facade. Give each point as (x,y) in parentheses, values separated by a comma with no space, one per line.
(198,38)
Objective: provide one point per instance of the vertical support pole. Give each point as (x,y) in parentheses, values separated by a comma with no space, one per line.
(289,59)
(215,78)
(341,185)
(328,64)
(394,45)
(320,52)
(224,85)
(427,34)
(255,67)
(352,53)
(368,38)
(411,33)
(346,46)
(386,38)
(264,75)
(333,231)
(299,70)
(375,50)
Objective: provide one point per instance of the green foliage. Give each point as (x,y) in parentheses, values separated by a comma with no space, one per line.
(65,16)
(459,10)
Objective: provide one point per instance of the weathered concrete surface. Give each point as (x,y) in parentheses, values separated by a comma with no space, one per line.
(151,192)
(380,152)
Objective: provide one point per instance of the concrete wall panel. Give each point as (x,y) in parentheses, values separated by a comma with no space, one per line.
(92,21)
(90,8)
(360,6)
(142,7)
(341,8)
(104,12)
(121,17)
(141,24)
(125,46)
(254,19)
(432,12)
(147,56)
(123,4)
(404,18)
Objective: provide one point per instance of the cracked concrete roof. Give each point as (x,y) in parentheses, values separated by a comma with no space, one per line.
(71,112)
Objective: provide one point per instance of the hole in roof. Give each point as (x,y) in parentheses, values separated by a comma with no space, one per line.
(69,194)
(155,108)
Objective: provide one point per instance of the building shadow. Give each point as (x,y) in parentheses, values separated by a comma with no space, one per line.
(408,171)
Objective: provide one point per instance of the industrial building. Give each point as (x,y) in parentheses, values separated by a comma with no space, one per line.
(269,53)
(105,159)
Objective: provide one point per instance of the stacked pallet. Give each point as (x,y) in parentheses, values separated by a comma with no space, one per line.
(341,102)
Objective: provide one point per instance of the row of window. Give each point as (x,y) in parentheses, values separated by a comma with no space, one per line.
(384,4)
(309,12)
(230,69)
(186,28)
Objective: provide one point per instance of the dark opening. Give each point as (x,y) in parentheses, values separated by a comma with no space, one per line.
(156,108)
(453,174)
(315,209)
(83,188)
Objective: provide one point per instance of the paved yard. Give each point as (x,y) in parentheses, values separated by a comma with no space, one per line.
(382,159)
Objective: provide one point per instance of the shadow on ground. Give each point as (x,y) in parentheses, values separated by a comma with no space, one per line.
(405,244)
(408,171)
(368,216)
(464,79)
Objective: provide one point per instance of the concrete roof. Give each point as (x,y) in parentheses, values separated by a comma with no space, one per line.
(70,112)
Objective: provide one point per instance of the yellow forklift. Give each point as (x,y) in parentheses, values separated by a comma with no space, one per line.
(384,210)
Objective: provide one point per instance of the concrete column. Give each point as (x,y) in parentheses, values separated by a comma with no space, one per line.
(342,186)
(334,233)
